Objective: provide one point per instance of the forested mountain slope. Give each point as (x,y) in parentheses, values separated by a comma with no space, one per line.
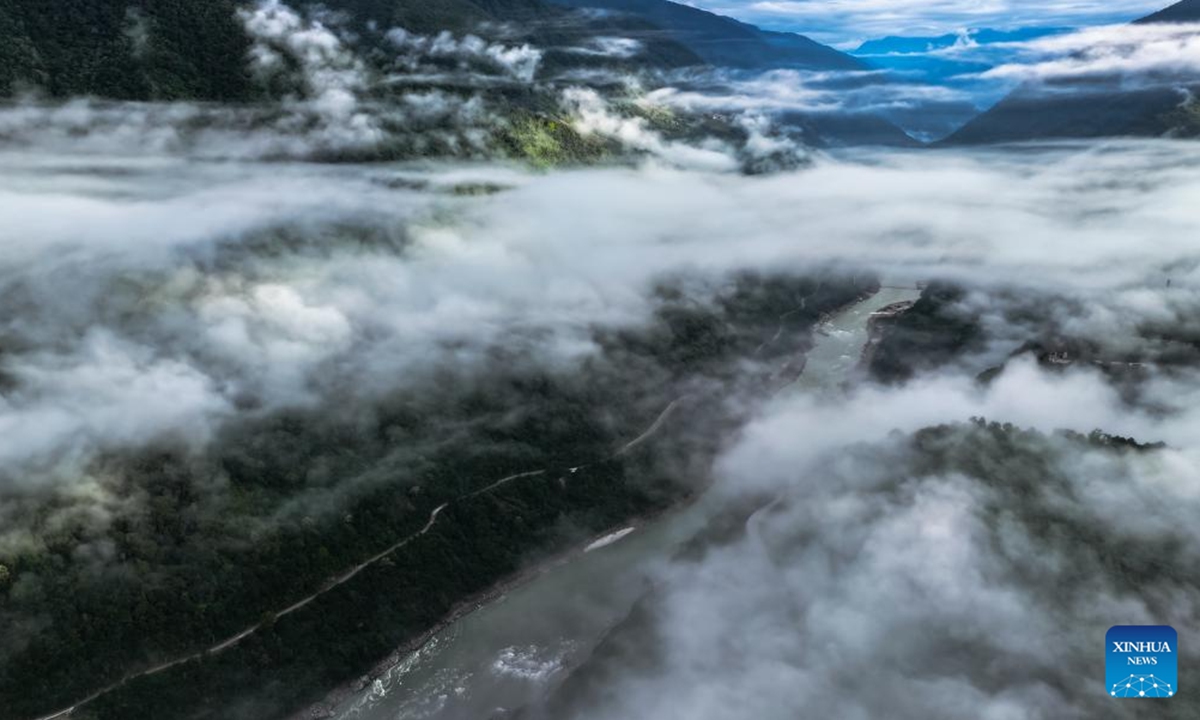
(725,42)
(139,49)
(184,49)
(180,49)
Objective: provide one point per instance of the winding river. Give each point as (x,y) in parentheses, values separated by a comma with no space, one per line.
(509,651)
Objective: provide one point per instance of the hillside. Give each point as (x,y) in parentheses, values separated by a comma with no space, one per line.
(452,484)
(725,42)
(180,50)
(166,49)
(1026,116)
(1096,108)
(534,21)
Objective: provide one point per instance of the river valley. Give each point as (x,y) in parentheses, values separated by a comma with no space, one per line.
(510,651)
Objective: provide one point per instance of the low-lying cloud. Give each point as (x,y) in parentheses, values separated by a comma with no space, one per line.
(519,61)
(1133,54)
(157,298)
(163,298)
(803,91)
(972,572)
(334,78)
(270,284)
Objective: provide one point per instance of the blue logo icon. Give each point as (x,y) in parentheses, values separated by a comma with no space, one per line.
(1141,661)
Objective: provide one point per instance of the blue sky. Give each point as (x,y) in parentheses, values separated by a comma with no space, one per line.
(845,23)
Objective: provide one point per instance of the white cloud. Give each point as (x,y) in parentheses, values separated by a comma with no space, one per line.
(158,295)
(260,286)
(593,116)
(607,46)
(957,593)
(106,392)
(802,91)
(1138,54)
(334,77)
(519,61)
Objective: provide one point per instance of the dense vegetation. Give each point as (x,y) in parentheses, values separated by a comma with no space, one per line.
(182,49)
(208,545)
(124,49)
(540,23)
(933,332)
(545,141)
(1184,120)
(945,330)
(187,50)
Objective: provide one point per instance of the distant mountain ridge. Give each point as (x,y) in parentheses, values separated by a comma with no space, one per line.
(1091,110)
(725,42)
(728,43)
(953,61)
(1185,11)
(908,45)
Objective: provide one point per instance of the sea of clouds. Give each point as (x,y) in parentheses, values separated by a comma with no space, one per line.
(164,293)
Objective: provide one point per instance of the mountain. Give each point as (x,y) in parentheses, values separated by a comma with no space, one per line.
(538,22)
(186,50)
(954,62)
(918,45)
(925,57)
(181,50)
(1088,109)
(1186,11)
(725,42)
(177,49)
(420,511)
(1028,115)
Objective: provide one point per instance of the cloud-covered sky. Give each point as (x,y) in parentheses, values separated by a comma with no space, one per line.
(847,22)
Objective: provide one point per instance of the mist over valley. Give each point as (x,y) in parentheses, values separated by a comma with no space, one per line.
(596,359)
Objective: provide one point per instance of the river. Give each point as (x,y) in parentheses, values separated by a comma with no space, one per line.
(508,652)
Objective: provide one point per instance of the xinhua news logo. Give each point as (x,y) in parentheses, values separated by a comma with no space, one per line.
(1141,661)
